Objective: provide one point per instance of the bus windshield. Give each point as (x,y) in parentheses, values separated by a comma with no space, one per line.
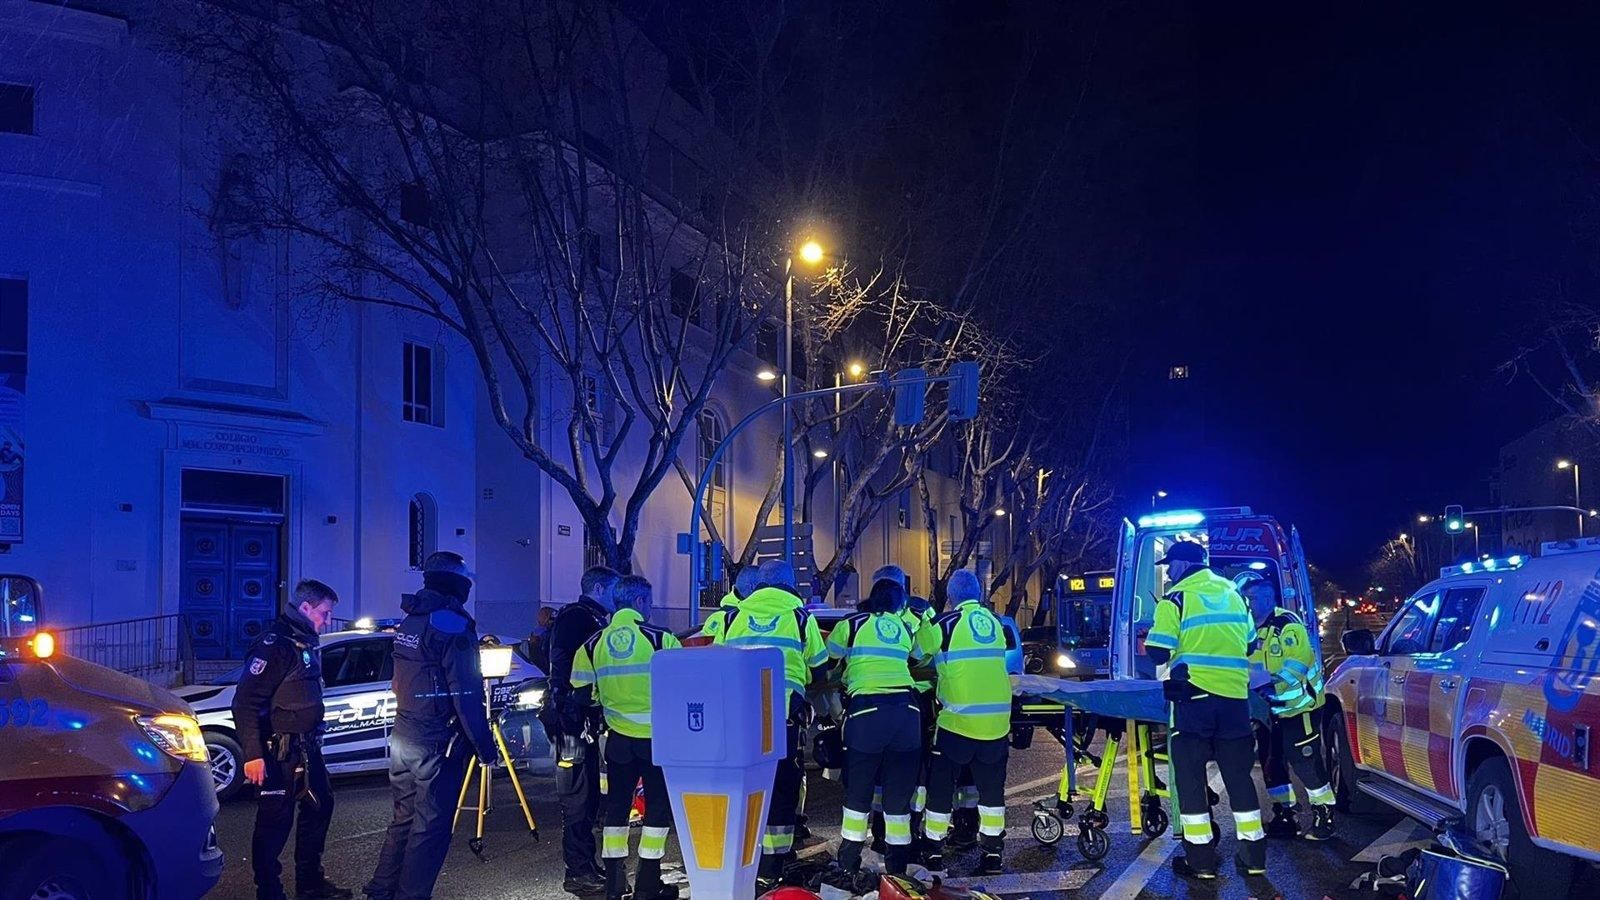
(1086,621)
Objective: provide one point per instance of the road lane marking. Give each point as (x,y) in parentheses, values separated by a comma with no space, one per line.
(1407,833)
(1133,879)
(1022,882)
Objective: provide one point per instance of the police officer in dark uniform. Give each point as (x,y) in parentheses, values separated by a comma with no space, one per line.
(441,721)
(574,728)
(277,710)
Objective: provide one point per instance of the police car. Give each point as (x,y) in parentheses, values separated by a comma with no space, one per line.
(358,674)
(1479,702)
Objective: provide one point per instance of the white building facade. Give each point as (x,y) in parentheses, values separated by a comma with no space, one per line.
(183,438)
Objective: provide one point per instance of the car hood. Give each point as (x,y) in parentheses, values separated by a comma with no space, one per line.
(206,697)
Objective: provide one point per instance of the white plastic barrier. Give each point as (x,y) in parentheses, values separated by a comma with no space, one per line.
(718,717)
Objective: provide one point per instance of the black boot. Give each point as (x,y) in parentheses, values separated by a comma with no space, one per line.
(849,857)
(963,829)
(321,889)
(616,878)
(1284,823)
(1321,824)
(933,854)
(647,884)
(990,863)
(1251,858)
(1198,862)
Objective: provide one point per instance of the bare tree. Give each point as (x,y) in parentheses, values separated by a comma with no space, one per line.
(496,166)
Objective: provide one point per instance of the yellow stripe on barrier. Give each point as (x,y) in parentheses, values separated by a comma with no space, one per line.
(752,824)
(708,828)
(766,711)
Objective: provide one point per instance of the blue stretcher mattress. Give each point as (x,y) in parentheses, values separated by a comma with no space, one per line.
(1138,699)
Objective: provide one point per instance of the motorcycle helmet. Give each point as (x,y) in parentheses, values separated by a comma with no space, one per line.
(790,892)
(827,748)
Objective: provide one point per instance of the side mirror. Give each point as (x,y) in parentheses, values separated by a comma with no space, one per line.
(21,607)
(1359,642)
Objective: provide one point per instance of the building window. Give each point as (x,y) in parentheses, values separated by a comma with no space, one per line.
(1177,373)
(424,531)
(597,407)
(420,400)
(16,108)
(712,432)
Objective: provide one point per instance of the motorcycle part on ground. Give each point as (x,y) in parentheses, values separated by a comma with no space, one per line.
(790,892)
(899,887)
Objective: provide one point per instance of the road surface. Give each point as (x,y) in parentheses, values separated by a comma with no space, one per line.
(517,867)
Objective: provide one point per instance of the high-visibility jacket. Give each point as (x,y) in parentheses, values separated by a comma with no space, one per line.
(1283,647)
(968,646)
(916,617)
(719,619)
(773,617)
(877,650)
(1207,627)
(617,662)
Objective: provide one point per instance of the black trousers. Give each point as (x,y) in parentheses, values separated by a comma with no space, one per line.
(951,753)
(284,793)
(1293,742)
(578,792)
(425,778)
(628,761)
(777,842)
(1206,729)
(883,748)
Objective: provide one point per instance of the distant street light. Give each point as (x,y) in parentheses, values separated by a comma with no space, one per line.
(1158,495)
(1577,494)
(1423,520)
(820,453)
(811,253)
(857,370)
(767,375)
(1000,513)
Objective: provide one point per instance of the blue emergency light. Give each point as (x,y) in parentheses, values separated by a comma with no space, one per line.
(1175,518)
(1488,565)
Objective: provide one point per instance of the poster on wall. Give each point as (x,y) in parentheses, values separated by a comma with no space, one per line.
(11,456)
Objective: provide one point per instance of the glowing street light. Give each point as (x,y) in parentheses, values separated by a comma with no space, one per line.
(811,253)
(820,453)
(1001,513)
(857,370)
(767,375)
(1423,520)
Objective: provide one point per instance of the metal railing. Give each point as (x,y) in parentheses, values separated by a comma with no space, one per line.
(154,648)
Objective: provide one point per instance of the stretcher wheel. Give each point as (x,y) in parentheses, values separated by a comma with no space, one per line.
(1047,829)
(1155,822)
(1095,818)
(1093,843)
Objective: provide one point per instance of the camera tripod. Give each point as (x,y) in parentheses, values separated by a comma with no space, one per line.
(485,774)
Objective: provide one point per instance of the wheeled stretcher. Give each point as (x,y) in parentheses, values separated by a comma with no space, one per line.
(1133,713)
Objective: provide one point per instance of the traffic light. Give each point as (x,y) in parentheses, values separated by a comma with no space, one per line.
(1455,520)
(964,391)
(910,397)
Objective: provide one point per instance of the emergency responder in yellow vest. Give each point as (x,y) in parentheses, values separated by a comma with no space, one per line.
(613,669)
(774,616)
(882,731)
(744,584)
(1203,630)
(968,646)
(917,613)
(1283,648)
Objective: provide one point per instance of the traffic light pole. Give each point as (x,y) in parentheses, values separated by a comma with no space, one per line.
(690,543)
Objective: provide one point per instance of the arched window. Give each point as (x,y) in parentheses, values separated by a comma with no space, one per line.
(712,433)
(424,530)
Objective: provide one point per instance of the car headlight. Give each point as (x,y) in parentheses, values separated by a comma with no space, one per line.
(533,698)
(1063,661)
(178,736)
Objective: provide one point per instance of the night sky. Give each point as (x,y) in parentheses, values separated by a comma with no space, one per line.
(1377,195)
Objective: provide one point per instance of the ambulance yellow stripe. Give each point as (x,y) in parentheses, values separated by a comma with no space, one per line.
(1367,741)
(1414,750)
(1564,804)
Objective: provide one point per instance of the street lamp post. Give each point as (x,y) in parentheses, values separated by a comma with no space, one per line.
(1477,549)
(1577,493)
(811,253)
(1158,495)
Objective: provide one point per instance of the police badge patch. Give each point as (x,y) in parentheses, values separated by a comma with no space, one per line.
(257,666)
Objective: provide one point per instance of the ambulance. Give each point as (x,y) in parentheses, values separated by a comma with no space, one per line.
(1478,704)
